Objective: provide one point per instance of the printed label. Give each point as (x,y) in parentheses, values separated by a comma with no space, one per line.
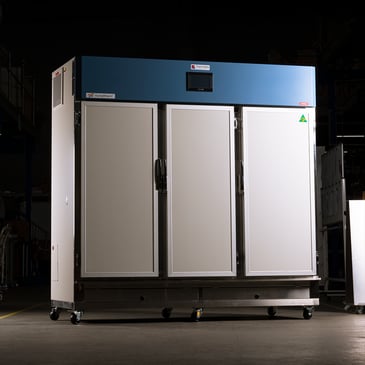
(100,95)
(195,66)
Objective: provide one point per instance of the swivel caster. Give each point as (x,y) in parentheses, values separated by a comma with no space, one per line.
(307,313)
(196,314)
(75,317)
(166,313)
(54,314)
(272,311)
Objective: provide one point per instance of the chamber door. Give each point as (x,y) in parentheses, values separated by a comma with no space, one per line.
(119,234)
(279,195)
(201,192)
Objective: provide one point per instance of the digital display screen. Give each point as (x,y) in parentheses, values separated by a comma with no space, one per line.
(199,81)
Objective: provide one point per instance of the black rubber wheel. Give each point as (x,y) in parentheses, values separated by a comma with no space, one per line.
(166,313)
(307,313)
(272,311)
(54,314)
(75,318)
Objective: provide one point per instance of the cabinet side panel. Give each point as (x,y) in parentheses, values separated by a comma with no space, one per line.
(63,185)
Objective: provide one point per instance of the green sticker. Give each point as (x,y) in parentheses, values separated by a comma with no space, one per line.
(302,119)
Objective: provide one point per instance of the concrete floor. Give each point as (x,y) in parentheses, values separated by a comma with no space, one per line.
(334,335)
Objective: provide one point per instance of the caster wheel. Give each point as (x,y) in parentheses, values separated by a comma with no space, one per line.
(307,313)
(272,311)
(54,314)
(75,317)
(166,313)
(196,314)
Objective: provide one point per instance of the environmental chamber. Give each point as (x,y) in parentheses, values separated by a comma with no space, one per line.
(181,183)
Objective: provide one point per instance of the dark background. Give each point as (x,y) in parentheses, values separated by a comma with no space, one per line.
(36,37)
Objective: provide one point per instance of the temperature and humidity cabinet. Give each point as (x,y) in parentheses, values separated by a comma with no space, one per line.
(180,183)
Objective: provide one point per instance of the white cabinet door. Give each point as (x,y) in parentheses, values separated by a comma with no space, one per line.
(200,190)
(279,195)
(119,235)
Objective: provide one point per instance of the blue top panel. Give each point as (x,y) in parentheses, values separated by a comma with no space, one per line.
(165,81)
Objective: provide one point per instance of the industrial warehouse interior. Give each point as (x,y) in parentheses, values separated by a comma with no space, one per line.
(39,326)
